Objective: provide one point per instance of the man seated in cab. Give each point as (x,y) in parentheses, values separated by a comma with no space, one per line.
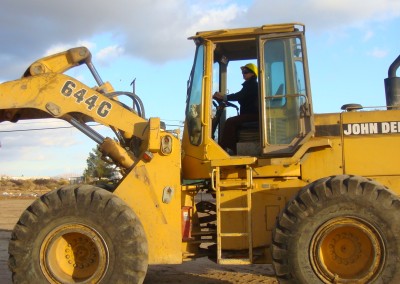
(247,98)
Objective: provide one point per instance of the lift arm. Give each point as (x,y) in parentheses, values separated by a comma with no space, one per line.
(45,92)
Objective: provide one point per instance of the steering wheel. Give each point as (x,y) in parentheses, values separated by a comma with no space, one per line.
(220,105)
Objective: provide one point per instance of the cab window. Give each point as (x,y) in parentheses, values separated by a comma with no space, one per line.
(193,107)
(284,89)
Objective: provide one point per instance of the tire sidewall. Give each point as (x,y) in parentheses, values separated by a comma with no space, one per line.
(102,212)
(300,247)
(46,229)
(376,214)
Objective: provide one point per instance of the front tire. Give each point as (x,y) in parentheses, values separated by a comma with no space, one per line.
(78,235)
(342,229)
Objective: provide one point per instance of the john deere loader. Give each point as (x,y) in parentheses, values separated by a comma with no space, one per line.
(316,195)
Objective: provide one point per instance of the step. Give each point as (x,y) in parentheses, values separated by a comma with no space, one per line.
(234,261)
(234,183)
(205,233)
(234,234)
(234,209)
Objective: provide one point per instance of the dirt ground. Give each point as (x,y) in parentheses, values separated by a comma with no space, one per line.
(195,272)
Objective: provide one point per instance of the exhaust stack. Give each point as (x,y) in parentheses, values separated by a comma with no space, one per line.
(392,86)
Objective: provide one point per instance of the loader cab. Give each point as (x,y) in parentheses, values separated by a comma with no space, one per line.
(285,113)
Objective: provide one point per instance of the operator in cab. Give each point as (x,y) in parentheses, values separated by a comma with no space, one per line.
(247,98)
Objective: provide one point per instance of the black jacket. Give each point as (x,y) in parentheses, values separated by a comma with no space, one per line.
(247,97)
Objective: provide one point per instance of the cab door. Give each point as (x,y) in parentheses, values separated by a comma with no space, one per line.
(286,97)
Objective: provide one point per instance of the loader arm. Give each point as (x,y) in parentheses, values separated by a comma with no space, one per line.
(148,156)
(45,92)
(59,62)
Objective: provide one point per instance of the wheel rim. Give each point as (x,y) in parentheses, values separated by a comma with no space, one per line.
(74,253)
(346,249)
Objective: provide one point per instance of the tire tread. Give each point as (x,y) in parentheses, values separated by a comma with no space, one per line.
(310,200)
(94,205)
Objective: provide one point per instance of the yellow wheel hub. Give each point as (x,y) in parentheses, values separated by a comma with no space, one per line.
(74,253)
(346,249)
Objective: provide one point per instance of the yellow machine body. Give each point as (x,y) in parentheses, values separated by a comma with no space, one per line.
(314,194)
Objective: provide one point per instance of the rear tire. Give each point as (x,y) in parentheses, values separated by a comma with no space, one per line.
(342,229)
(78,235)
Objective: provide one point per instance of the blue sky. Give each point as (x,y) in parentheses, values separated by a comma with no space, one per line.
(351,44)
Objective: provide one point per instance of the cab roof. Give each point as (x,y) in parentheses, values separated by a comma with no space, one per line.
(241,44)
(253,32)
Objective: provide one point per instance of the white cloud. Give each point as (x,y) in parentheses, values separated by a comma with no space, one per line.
(31,154)
(368,35)
(215,18)
(56,140)
(109,53)
(13,136)
(322,15)
(378,53)
(60,47)
(158,32)
(43,151)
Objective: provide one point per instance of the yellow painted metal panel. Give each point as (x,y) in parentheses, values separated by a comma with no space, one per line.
(372,142)
(143,189)
(269,196)
(255,31)
(323,162)
(66,95)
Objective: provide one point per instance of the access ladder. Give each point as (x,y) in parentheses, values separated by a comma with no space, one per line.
(242,185)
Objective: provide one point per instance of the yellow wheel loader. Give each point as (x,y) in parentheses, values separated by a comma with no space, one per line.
(316,195)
